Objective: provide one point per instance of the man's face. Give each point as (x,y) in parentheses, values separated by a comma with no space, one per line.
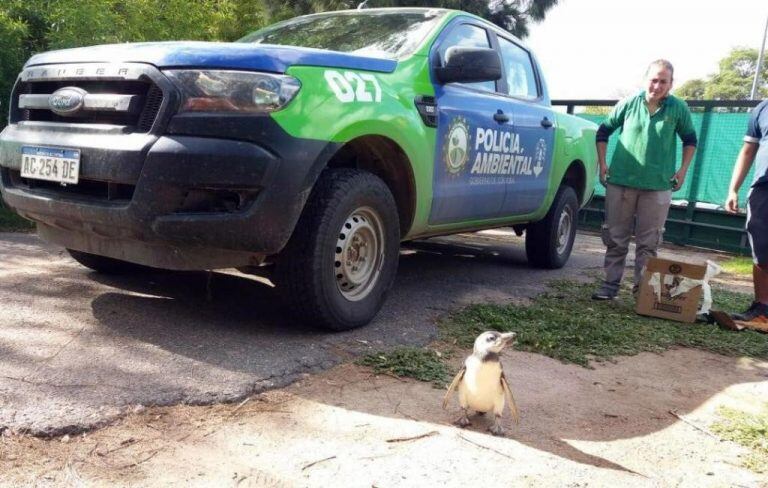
(658,83)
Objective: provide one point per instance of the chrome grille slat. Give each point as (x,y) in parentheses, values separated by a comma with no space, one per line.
(92,102)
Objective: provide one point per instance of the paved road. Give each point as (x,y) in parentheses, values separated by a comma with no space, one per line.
(78,348)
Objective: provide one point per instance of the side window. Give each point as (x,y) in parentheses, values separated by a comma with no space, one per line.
(466,35)
(521,81)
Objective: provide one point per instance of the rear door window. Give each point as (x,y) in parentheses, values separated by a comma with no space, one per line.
(518,68)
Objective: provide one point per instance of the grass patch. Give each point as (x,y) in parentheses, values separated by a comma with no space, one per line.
(749,430)
(10,222)
(740,265)
(566,324)
(412,362)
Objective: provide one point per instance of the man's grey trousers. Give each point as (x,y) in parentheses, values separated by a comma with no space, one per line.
(622,204)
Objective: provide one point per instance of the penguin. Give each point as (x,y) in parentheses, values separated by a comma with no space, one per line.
(481,383)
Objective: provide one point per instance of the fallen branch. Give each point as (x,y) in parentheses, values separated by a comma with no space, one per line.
(317,462)
(485,447)
(131,465)
(700,429)
(123,444)
(239,406)
(407,439)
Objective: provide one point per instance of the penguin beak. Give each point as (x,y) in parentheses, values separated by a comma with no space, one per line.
(508,338)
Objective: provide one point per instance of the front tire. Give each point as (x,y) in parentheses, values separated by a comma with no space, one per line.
(342,258)
(549,242)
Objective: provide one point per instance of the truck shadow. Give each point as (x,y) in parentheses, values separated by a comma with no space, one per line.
(242,323)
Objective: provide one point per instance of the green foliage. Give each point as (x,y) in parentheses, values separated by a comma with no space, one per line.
(749,430)
(692,89)
(733,81)
(421,364)
(512,15)
(12,56)
(741,265)
(10,222)
(566,324)
(597,110)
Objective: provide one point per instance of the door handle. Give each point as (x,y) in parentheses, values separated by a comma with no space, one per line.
(500,117)
(546,123)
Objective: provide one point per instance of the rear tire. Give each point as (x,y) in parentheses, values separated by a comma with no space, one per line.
(105,265)
(548,242)
(342,258)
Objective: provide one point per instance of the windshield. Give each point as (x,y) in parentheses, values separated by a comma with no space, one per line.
(386,34)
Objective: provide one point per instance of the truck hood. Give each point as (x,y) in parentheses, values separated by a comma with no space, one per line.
(214,55)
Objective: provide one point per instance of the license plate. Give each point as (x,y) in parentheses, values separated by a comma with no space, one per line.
(50,164)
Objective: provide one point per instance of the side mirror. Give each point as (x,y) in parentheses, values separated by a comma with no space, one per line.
(469,65)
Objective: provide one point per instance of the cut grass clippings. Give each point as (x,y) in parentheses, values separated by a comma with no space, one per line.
(412,362)
(10,222)
(566,324)
(740,265)
(748,430)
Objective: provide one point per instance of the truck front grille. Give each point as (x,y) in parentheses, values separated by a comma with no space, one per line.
(102,94)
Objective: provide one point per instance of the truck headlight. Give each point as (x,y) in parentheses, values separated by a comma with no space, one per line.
(232,91)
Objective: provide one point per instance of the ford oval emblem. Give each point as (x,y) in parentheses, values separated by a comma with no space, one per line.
(67,101)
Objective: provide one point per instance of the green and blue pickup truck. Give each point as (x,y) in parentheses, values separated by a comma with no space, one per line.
(312,148)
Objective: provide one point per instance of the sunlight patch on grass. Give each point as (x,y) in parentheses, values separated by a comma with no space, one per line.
(748,430)
(740,265)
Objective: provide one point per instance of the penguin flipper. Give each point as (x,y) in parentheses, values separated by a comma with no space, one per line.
(510,399)
(453,385)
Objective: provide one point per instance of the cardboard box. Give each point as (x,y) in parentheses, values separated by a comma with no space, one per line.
(669,275)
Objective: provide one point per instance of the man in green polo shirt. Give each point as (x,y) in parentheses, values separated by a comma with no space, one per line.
(642,175)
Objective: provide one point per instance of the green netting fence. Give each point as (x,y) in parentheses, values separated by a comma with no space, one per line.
(720,127)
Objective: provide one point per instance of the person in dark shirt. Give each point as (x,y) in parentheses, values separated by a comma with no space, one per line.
(754,150)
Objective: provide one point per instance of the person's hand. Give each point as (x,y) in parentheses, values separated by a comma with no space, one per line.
(732,203)
(677,180)
(603,174)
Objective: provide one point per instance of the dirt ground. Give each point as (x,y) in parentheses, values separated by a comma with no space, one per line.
(638,421)
(641,421)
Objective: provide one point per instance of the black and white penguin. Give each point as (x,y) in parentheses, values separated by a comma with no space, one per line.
(481,383)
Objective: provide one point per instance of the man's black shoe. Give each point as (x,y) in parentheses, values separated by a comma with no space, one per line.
(606,292)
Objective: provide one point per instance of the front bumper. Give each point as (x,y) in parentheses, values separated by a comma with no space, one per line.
(187,193)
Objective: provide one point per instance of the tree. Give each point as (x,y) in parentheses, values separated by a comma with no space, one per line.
(12,56)
(512,15)
(692,89)
(733,81)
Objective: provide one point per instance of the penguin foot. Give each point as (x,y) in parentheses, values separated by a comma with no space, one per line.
(496,429)
(463,421)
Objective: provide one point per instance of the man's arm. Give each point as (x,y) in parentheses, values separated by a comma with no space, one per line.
(602,149)
(743,164)
(679,178)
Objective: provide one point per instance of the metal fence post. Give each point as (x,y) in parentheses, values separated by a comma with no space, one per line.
(693,190)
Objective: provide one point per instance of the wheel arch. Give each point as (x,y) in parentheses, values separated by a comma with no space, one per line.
(576,177)
(384,158)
